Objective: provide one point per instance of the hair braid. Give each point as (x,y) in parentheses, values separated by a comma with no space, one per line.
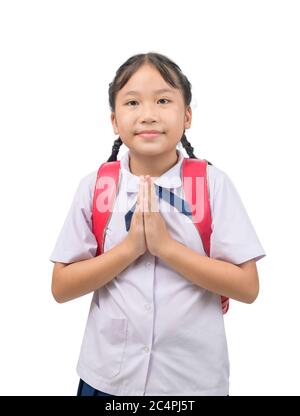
(189,149)
(115,150)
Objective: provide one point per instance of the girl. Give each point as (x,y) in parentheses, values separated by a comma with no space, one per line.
(155,325)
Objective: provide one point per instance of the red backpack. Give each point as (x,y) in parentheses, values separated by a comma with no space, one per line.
(191,168)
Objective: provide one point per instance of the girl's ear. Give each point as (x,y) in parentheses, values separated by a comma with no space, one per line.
(188,117)
(114,122)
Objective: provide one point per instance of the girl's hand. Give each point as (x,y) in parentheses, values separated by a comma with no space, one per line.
(156,232)
(136,234)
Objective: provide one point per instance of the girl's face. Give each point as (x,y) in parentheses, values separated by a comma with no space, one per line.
(141,106)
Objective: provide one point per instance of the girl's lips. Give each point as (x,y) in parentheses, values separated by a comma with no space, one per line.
(149,135)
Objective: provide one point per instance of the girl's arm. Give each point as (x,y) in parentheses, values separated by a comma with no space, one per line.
(237,282)
(70,281)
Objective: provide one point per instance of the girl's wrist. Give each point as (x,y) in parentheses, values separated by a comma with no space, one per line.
(129,249)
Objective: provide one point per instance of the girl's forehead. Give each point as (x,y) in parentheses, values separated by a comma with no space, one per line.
(147,79)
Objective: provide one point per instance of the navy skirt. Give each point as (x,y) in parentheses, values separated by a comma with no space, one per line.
(85,389)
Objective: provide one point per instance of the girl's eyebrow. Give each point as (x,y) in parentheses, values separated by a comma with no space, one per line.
(133,92)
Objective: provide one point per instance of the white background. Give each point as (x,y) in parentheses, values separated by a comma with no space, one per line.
(57,59)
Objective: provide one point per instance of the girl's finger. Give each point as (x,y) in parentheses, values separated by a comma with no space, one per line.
(141,194)
(150,205)
(154,203)
(151,194)
(146,196)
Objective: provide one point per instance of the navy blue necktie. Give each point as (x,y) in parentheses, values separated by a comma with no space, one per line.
(169,197)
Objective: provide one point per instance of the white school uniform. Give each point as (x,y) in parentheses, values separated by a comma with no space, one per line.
(151,331)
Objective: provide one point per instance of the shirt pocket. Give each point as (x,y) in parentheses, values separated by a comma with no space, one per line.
(103,347)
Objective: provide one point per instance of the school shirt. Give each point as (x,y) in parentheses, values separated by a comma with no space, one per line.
(150,330)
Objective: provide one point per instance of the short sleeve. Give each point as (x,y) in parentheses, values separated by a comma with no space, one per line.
(76,240)
(233,237)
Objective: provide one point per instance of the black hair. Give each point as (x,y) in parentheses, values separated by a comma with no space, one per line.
(167,68)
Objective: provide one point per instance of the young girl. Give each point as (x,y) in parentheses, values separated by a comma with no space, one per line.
(155,325)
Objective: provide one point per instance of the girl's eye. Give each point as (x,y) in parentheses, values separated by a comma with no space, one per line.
(165,99)
(133,101)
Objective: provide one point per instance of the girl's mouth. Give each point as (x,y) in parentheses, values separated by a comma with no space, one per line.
(149,135)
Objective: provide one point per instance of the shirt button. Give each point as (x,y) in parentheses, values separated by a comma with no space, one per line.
(146,349)
(148,264)
(147,306)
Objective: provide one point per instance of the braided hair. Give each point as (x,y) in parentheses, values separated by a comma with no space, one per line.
(165,66)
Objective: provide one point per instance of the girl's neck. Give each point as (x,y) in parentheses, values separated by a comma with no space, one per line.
(151,165)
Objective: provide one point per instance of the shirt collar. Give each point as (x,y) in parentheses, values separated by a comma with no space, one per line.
(170,179)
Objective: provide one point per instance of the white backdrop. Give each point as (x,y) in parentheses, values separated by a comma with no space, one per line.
(57,59)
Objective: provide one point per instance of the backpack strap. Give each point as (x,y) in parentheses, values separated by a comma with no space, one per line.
(106,186)
(196,193)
